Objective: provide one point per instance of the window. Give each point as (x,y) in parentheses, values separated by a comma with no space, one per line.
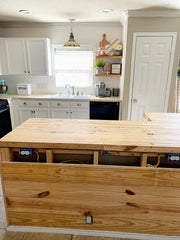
(74,67)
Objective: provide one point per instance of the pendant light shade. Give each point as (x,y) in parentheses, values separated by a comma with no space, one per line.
(72,43)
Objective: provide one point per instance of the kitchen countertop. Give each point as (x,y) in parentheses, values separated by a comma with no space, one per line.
(135,136)
(53,97)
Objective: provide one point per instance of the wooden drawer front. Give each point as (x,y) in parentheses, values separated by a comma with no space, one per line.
(25,103)
(60,104)
(75,104)
(39,103)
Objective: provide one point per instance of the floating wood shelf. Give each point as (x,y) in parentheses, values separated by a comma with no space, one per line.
(108,75)
(108,56)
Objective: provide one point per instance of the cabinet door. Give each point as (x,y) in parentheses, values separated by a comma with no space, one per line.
(3,58)
(26,114)
(79,114)
(59,113)
(38,56)
(42,113)
(16,56)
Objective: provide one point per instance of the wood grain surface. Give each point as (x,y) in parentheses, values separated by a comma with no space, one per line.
(122,199)
(125,136)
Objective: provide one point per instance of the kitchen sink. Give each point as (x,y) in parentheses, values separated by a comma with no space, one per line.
(72,96)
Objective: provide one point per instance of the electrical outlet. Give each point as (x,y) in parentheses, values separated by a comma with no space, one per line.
(173,157)
(89,219)
(26,151)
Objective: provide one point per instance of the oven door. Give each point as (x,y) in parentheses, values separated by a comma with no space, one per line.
(5,122)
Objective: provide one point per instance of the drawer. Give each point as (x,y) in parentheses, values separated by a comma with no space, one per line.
(60,104)
(41,103)
(79,104)
(25,103)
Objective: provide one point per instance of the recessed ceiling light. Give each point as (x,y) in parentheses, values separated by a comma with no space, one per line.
(25,11)
(106,10)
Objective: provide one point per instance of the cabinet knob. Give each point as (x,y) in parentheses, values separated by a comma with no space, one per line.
(78,104)
(59,104)
(134,100)
(70,112)
(25,103)
(40,103)
(67,112)
(24,71)
(32,111)
(28,71)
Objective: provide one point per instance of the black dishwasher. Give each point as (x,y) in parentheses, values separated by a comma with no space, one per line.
(104,110)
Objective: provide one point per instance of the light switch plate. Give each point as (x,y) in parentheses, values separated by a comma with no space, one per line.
(89,219)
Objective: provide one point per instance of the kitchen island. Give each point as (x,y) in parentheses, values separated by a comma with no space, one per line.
(93,175)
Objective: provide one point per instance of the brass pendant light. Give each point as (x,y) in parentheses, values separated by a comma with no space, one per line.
(72,43)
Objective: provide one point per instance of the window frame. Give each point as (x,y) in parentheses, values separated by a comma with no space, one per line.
(82,47)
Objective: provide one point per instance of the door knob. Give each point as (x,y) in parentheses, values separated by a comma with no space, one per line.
(134,100)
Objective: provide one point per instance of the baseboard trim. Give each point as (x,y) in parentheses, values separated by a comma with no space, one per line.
(91,233)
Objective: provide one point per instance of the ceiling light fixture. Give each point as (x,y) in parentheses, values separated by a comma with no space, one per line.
(24,11)
(72,42)
(106,10)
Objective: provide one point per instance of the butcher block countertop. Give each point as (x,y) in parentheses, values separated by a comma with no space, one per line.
(135,136)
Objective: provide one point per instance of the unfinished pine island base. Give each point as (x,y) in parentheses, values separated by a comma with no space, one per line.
(93,175)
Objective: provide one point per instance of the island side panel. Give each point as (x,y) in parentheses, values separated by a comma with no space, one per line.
(125,199)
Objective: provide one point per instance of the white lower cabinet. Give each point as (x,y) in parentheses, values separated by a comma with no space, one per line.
(25,109)
(70,109)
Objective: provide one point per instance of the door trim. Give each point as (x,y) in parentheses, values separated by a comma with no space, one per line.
(151,34)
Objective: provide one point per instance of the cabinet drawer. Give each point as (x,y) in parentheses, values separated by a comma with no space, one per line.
(25,103)
(40,103)
(60,104)
(79,104)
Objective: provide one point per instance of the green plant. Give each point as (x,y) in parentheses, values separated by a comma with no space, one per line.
(178,73)
(99,63)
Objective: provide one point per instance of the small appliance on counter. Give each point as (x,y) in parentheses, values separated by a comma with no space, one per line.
(115,92)
(23,88)
(100,89)
(3,87)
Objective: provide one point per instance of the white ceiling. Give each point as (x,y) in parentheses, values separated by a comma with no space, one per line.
(81,10)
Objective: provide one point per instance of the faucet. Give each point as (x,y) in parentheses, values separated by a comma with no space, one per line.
(72,87)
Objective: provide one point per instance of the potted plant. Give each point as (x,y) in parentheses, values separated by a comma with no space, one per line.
(99,65)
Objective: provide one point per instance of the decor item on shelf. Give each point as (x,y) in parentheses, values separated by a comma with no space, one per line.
(71,43)
(114,46)
(3,87)
(99,65)
(116,68)
(102,46)
(107,68)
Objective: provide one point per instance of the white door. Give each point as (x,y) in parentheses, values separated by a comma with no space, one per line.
(42,113)
(79,114)
(150,77)
(37,56)
(26,114)
(60,113)
(16,56)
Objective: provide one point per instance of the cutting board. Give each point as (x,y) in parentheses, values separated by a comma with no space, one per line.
(104,42)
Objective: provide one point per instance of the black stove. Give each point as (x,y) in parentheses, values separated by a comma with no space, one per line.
(5,119)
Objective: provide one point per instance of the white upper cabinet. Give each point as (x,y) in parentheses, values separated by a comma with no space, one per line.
(27,56)
(38,56)
(16,56)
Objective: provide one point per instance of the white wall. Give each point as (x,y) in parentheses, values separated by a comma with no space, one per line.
(85,34)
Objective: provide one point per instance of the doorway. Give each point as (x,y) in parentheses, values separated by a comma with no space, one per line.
(151,68)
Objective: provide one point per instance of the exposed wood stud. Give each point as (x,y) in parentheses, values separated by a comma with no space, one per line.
(7,155)
(96,157)
(49,156)
(143,159)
